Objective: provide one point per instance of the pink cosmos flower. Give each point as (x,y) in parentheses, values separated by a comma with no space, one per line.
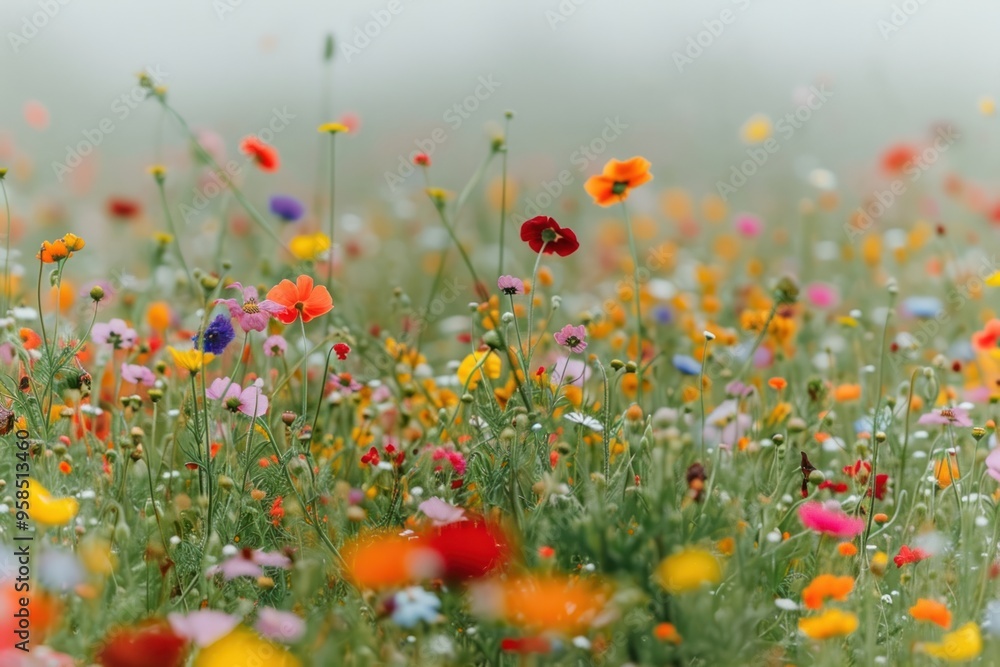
(282,626)
(993,463)
(204,626)
(830,519)
(822,295)
(749,225)
(250,401)
(275,346)
(570,371)
(946,417)
(249,563)
(573,337)
(115,333)
(137,374)
(441,512)
(251,315)
(510,285)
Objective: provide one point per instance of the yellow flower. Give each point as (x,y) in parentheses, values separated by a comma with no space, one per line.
(965,643)
(244,647)
(73,242)
(157,171)
(333,128)
(758,128)
(96,556)
(688,570)
(993,280)
(469,373)
(308,247)
(987,106)
(831,623)
(190,360)
(49,511)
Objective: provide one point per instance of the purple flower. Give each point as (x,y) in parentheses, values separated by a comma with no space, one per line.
(345,383)
(275,346)
(115,333)
(510,285)
(738,389)
(572,337)
(282,626)
(249,563)
(251,315)
(287,208)
(726,424)
(993,463)
(570,371)
(217,336)
(250,401)
(441,512)
(138,375)
(946,417)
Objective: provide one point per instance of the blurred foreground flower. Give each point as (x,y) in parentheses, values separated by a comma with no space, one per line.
(47,510)
(829,624)
(963,644)
(565,605)
(689,570)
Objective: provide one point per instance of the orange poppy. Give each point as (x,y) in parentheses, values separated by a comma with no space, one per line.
(29,338)
(53,252)
(617,179)
(826,586)
(300,297)
(932,611)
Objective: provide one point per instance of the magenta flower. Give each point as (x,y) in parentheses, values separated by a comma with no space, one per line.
(830,520)
(749,225)
(510,285)
(993,463)
(457,461)
(946,417)
(275,346)
(573,337)
(249,563)
(137,374)
(250,401)
(251,315)
(115,333)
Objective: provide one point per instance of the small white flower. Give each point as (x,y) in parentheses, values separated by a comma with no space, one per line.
(88,494)
(581,642)
(174,540)
(24,313)
(786,604)
(230,550)
(585,420)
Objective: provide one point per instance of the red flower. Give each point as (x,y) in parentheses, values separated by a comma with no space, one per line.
(897,158)
(422,160)
(469,549)
(371,458)
(277,511)
(154,645)
(300,297)
(342,350)
(881,486)
(543,234)
(265,156)
(859,471)
(835,487)
(526,645)
(123,209)
(908,555)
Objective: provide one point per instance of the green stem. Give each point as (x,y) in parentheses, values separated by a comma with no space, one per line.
(635,294)
(330,210)
(177,238)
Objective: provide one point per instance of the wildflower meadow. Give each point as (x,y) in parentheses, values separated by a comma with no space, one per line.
(265,402)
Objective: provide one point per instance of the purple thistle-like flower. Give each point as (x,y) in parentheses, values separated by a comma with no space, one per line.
(573,337)
(251,314)
(510,285)
(217,336)
(287,208)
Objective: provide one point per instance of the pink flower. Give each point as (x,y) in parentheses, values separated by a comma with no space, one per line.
(749,225)
(441,512)
(251,315)
(830,520)
(946,417)
(249,563)
(275,346)
(573,337)
(993,463)
(570,371)
(454,458)
(115,333)
(822,295)
(510,285)
(138,375)
(282,626)
(250,401)
(204,626)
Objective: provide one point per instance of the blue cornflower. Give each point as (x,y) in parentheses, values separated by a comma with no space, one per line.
(923,307)
(687,365)
(287,208)
(217,336)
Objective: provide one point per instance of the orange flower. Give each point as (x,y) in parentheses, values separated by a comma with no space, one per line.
(946,471)
(30,339)
(666,632)
(381,560)
(555,604)
(300,297)
(932,611)
(847,392)
(613,185)
(777,383)
(826,586)
(53,252)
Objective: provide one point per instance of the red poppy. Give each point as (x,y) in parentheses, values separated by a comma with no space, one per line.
(526,645)
(123,209)
(543,234)
(897,158)
(881,486)
(908,555)
(469,549)
(342,350)
(835,487)
(265,156)
(300,297)
(153,645)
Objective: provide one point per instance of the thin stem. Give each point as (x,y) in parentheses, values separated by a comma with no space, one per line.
(503,193)
(531,302)
(177,238)
(330,210)
(6,257)
(635,294)
(305,370)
